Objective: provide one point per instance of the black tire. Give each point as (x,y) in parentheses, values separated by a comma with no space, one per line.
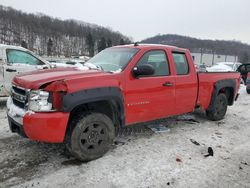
(220,108)
(91,136)
(248,91)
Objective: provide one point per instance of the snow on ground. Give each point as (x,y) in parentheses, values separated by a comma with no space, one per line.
(145,159)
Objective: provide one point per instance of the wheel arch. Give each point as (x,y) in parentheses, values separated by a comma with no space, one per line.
(108,100)
(227,86)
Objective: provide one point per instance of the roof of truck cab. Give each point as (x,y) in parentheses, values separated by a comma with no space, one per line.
(5,46)
(150,46)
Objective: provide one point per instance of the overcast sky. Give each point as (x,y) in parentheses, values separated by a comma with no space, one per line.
(140,19)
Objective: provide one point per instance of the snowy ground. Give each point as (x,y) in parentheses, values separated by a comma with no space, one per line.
(144,159)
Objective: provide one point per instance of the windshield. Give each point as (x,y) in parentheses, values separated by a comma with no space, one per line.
(113,59)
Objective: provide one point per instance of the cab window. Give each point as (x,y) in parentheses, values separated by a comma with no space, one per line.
(158,59)
(20,57)
(181,64)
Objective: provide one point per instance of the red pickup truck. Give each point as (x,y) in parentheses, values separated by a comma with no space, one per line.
(120,86)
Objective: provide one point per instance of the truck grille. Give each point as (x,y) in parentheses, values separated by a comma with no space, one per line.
(19,96)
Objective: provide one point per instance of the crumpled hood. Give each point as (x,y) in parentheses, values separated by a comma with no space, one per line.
(35,79)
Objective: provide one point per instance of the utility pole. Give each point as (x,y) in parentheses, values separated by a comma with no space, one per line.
(201,56)
(213,58)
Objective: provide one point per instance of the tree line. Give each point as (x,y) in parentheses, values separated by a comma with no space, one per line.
(221,47)
(55,37)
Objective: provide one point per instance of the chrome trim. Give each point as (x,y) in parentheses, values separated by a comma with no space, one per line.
(14,94)
(20,97)
(19,87)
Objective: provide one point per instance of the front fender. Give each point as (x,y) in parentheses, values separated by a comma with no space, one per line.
(73,100)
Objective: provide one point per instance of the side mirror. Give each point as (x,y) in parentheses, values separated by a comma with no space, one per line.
(143,70)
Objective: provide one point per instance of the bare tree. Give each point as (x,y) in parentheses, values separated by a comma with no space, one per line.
(52,36)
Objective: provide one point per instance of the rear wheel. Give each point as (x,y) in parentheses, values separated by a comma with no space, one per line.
(220,108)
(91,137)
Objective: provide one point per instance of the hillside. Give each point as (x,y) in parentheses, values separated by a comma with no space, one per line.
(52,36)
(205,46)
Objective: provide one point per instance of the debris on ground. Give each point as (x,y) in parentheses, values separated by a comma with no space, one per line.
(158,128)
(135,130)
(187,118)
(119,141)
(72,162)
(218,133)
(194,142)
(220,123)
(244,163)
(210,152)
(178,159)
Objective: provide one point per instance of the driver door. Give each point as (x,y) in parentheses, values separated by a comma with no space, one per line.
(151,97)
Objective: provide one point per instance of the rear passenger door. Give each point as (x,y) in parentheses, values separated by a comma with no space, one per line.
(186,83)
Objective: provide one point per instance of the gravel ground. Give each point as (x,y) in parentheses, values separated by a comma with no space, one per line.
(139,157)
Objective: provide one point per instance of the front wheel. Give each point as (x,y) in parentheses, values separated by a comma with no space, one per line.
(91,137)
(220,108)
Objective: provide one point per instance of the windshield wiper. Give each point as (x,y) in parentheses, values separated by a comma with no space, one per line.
(92,66)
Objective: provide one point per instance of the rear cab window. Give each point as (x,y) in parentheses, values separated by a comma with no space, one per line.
(181,63)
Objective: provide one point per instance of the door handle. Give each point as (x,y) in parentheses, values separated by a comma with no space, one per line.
(10,70)
(168,84)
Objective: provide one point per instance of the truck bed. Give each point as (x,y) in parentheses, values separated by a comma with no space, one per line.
(207,82)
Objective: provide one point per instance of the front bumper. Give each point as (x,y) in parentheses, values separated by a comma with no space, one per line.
(45,127)
(15,125)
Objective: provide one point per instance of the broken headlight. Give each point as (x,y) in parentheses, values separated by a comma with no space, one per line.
(39,101)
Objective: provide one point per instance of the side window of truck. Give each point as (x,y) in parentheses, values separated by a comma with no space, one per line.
(181,64)
(20,57)
(158,59)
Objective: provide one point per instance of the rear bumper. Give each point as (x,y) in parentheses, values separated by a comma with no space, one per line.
(44,127)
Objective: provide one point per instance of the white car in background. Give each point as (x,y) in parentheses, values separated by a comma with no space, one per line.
(15,60)
(220,68)
(68,62)
(233,65)
(224,67)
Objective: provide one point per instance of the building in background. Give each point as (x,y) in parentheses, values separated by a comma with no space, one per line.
(211,59)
